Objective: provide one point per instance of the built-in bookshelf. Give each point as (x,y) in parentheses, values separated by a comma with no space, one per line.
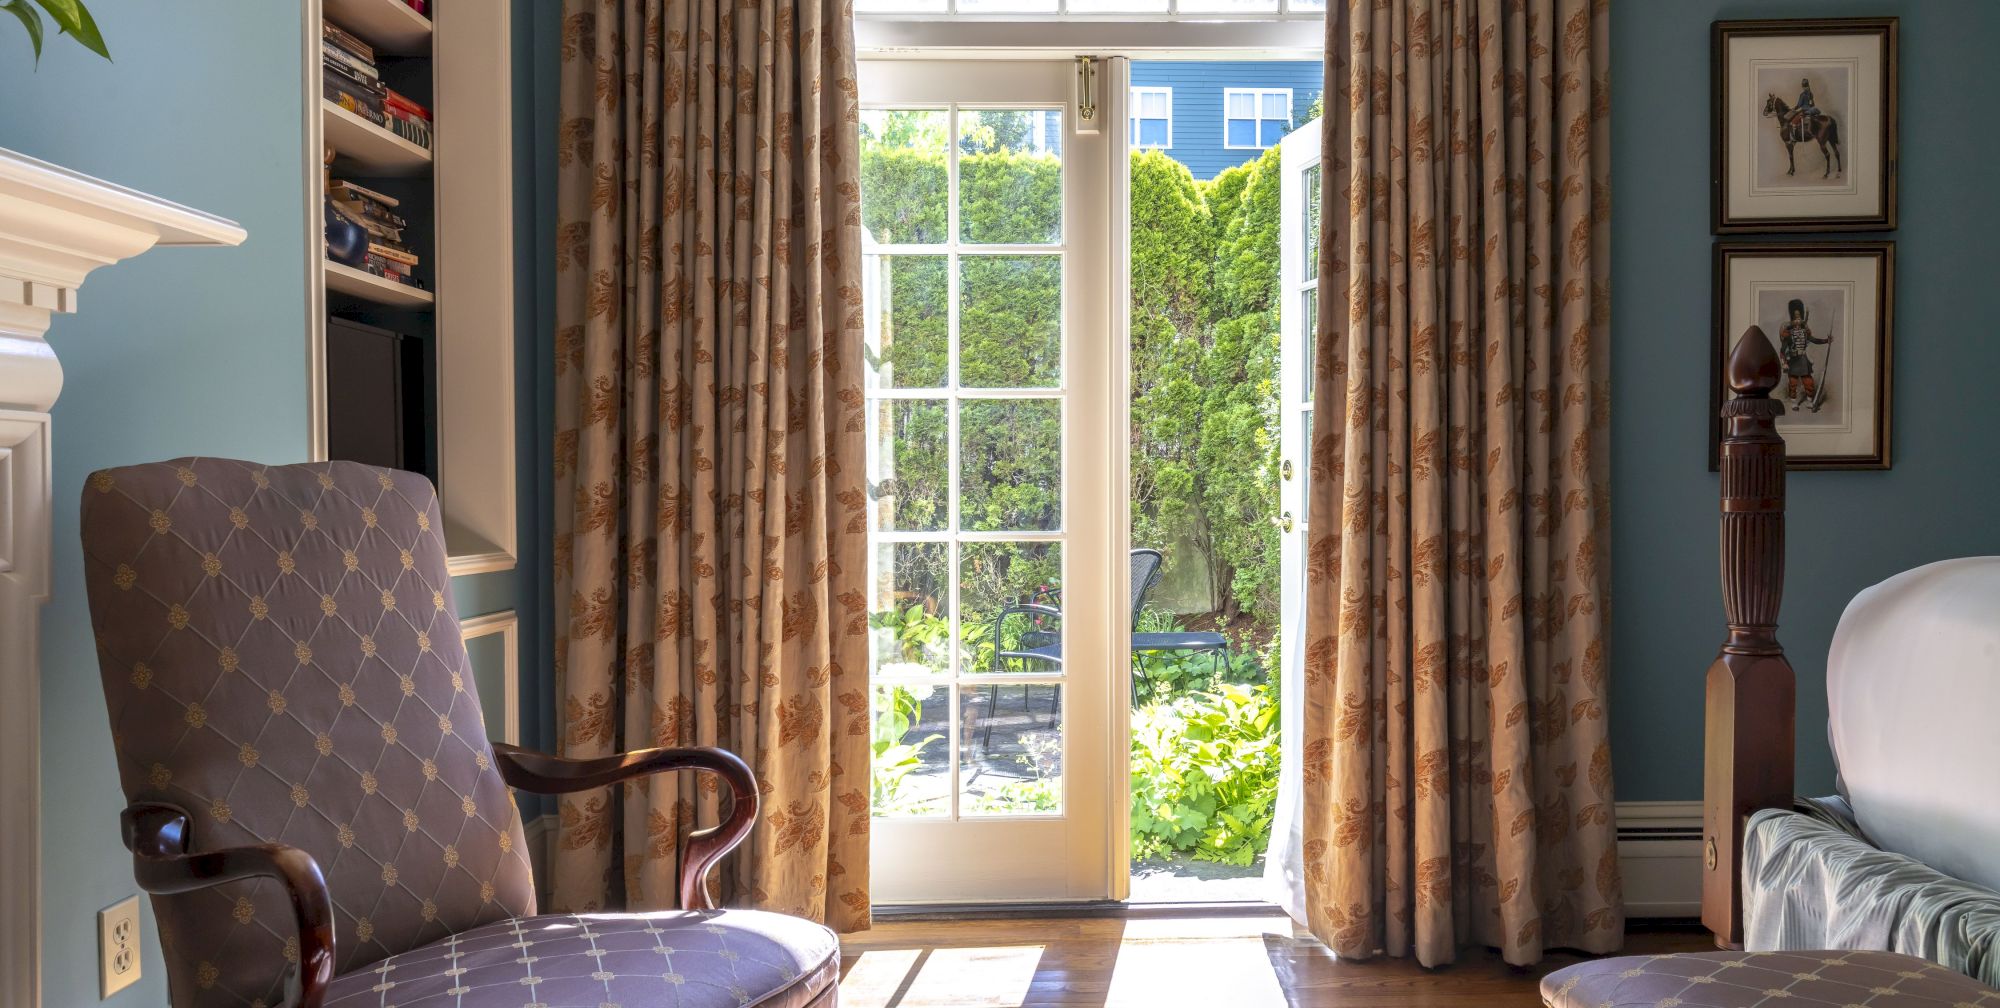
(415,104)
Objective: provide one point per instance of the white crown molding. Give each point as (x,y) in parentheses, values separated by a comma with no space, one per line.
(56,226)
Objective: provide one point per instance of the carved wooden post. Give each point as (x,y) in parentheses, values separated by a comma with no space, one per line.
(1748,749)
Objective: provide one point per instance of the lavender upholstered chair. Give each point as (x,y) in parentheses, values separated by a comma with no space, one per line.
(313,802)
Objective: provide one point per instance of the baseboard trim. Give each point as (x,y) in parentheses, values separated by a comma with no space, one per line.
(1659,855)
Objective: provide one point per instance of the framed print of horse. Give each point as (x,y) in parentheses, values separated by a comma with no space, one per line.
(1805,125)
(1827,307)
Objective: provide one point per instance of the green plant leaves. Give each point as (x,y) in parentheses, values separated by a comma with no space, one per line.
(1205,774)
(75,21)
(30,20)
(72,18)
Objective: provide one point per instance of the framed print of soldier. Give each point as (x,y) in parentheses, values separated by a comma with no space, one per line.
(1826,307)
(1805,125)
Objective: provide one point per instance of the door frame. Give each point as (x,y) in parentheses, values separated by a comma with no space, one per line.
(1114,42)
(1093,470)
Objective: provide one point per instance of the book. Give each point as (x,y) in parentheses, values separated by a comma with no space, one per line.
(344,186)
(395,101)
(392,253)
(414,130)
(346,40)
(347,62)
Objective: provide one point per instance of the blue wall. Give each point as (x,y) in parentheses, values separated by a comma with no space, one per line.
(187,351)
(1847,529)
(177,352)
(1198,87)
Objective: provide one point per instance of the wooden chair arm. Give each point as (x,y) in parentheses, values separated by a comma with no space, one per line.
(541,773)
(157,836)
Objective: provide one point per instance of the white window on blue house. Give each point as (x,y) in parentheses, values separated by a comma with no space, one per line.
(1152,117)
(1255,118)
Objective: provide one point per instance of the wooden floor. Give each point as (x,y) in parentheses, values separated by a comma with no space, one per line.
(1226,962)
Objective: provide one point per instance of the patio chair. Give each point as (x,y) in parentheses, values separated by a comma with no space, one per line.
(1041,643)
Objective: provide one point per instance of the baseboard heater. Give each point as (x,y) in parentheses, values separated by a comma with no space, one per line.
(1659,855)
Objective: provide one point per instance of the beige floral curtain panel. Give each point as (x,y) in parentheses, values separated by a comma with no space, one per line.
(710,542)
(1456,761)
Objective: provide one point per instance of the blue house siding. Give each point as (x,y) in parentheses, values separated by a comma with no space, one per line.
(1198,86)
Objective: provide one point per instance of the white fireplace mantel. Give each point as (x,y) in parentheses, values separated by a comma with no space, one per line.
(56,226)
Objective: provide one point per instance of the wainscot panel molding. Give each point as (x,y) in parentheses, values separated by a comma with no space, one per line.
(1659,855)
(56,226)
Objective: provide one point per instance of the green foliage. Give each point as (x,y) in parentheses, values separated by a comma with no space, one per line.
(895,757)
(1204,374)
(1205,774)
(72,18)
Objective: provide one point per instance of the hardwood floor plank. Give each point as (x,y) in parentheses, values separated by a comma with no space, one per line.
(1165,962)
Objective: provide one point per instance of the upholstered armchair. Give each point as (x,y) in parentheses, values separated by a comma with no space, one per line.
(312,799)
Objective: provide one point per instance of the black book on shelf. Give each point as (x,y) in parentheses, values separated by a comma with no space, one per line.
(379,400)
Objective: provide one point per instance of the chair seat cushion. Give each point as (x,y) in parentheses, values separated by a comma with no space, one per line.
(670,959)
(1179,641)
(1745,979)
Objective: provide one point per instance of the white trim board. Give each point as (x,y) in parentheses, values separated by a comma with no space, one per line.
(508,625)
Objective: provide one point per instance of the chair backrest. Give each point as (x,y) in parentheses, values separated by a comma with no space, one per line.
(1145,574)
(281,660)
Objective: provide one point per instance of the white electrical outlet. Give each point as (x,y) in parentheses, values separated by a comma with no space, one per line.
(118,946)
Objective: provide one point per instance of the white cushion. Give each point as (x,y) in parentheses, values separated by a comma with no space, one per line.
(1913,689)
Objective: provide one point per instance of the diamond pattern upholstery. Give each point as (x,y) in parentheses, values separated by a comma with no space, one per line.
(1838,979)
(282,661)
(674,959)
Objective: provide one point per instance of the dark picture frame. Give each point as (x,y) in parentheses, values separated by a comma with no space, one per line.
(1876,335)
(1732,169)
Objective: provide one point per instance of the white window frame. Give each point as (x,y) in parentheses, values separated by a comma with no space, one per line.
(1257,96)
(1132,121)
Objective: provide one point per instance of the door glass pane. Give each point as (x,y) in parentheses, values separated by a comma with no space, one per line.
(1309,327)
(904,176)
(1006,6)
(908,623)
(909,468)
(1010,465)
(1011,597)
(1310,184)
(909,321)
(1010,176)
(965,471)
(912,752)
(1010,321)
(1011,759)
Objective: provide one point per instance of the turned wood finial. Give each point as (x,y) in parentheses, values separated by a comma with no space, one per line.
(1753,369)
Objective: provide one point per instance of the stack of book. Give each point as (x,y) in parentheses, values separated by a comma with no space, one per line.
(387,256)
(349,74)
(406,118)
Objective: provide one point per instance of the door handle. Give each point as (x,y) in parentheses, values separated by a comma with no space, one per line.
(1285,469)
(1285,522)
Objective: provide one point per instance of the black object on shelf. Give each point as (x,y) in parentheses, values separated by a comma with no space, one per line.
(379,398)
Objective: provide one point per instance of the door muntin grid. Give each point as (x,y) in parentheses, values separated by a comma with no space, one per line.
(967,350)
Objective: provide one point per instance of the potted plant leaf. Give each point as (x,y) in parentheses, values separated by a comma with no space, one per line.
(71,18)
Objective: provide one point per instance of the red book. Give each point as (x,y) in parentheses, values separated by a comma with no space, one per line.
(401,103)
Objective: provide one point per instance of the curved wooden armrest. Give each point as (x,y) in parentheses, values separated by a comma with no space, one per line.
(542,773)
(157,836)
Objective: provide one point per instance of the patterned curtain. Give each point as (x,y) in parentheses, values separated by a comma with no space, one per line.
(710,540)
(1457,768)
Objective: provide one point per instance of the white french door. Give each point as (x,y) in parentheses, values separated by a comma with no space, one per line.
(995,505)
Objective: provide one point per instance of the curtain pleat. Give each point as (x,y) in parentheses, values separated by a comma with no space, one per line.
(1456,757)
(710,541)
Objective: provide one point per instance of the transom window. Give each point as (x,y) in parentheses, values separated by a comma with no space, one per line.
(1255,118)
(1152,117)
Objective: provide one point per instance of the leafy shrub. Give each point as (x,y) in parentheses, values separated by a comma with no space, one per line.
(1205,774)
(895,757)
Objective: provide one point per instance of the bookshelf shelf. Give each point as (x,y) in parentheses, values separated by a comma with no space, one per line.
(374,150)
(456,206)
(390,25)
(380,290)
